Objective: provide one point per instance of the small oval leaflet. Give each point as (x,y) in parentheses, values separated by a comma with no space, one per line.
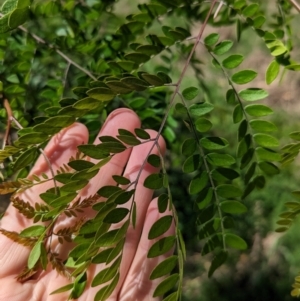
(203,125)
(201,109)
(235,241)
(154,160)
(233,207)
(243,77)
(160,226)
(229,191)
(166,285)
(258,110)
(35,230)
(116,215)
(223,47)
(189,146)
(192,163)
(220,159)
(262,125)
(154,181)
(161,247)
(190,93)
(164,267)
(272,72)
(265,140)
(213,143)
(211,39)
(233,61)
(253,94)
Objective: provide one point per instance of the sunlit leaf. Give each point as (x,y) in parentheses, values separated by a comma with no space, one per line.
(253,94)
(233,207)
(258,110)
(233,61)
(235,241)
(272,72)
(34,255)
(35,230)
(190,93)
(244,77)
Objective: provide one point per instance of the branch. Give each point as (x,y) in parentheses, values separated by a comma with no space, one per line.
(295,4)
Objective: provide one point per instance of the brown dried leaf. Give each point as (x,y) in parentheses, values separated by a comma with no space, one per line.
(25,241)
(26,274)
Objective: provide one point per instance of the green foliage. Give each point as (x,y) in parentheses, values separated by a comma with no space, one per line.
(130,64)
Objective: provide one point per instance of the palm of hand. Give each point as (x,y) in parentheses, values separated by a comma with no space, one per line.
(134,283)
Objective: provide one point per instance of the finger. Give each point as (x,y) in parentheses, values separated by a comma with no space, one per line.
(137,285)
(61,147)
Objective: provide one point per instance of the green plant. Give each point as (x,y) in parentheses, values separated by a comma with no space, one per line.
(76,60)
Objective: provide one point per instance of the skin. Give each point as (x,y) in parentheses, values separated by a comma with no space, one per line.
(134,283)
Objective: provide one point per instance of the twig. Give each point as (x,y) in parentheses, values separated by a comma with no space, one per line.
(295,4)
(199,36)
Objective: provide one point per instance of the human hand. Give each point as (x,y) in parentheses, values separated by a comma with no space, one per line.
(135,268)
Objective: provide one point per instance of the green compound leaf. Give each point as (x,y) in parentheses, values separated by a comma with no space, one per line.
(243,77)
(189,146)
(253,94)
(258,110)
(229,191)
(213,143)
(259,21)
(211,39)
(107,191)
(233,61)
(166,285)
(198,110)
(220,159)
(203,125)
(272,72)
(102,94)
(116,215)
(35,230)
(190,93)
(34,255)
(161,247)
(233,207)
(262,125)
(266,140)
(154,160)
(160,226)
(217,261)
(154,181)
(164,267)
(235,241)
(192,163)
(223,47)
